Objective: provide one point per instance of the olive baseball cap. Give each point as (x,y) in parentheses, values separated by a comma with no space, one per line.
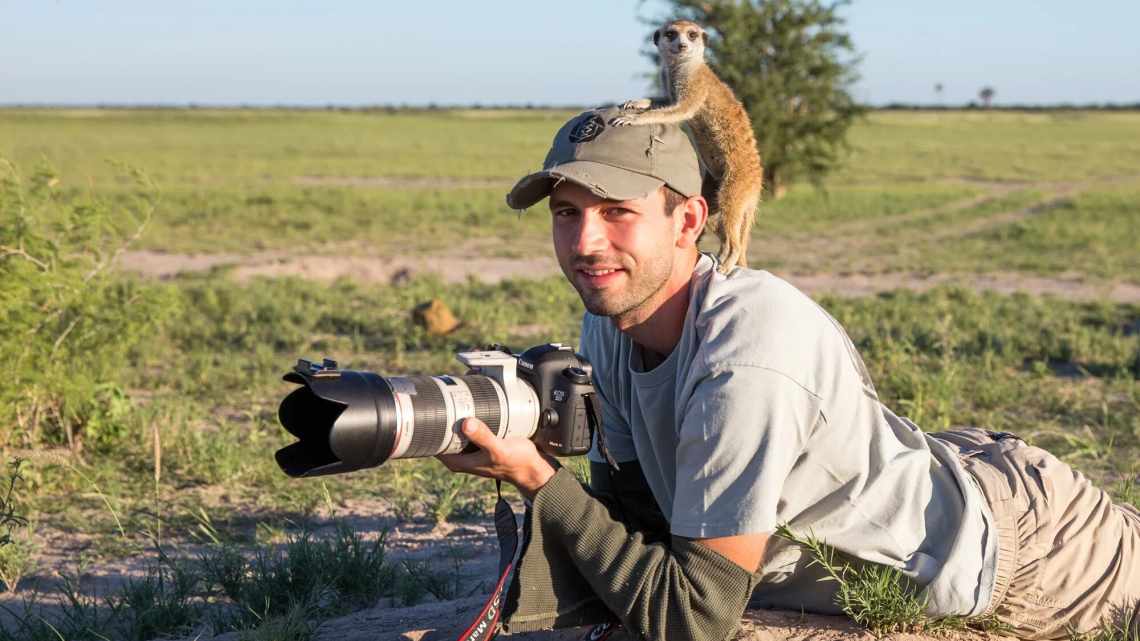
(617,163)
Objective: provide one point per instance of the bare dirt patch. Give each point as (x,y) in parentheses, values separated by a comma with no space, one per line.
(459,268)
(452,268)
(165,265)
(446,620)
(1071,287)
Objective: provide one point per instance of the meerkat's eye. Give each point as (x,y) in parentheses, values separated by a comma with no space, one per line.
(693,35)
(671,35)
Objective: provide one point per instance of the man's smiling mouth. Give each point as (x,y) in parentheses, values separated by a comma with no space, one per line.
(598,276)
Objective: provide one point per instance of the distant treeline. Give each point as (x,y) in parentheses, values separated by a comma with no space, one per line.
(970,106)
(403,108)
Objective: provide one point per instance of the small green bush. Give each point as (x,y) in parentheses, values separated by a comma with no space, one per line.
(69,326)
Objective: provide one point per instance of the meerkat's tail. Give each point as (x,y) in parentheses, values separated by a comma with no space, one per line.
(737,200)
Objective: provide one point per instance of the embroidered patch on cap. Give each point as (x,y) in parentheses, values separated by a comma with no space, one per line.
(588,129)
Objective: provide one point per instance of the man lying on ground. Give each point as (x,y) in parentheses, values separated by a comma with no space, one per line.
(733,404)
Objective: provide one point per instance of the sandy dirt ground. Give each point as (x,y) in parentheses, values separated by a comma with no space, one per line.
(467,551)
(457,268)
(444,621)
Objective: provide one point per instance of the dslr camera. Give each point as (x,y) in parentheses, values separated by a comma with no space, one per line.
(348,420)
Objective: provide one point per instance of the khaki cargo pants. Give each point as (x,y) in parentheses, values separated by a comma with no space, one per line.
(1068,557)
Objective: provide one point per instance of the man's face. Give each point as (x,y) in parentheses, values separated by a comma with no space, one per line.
(617,254)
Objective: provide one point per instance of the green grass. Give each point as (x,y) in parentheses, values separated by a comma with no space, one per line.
(215,147)
(264,592)
(212,148)
(175,383)
(1061,374)
(810,210)
(342,220)
(1096,234)
(949,357)
(893,147)
(1123,625)
(230,183)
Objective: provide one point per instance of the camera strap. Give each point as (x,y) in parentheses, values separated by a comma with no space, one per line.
(596,429)
(484,628)
(601,631)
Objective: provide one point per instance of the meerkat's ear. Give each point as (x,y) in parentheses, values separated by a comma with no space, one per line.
(705,37)
(656,36)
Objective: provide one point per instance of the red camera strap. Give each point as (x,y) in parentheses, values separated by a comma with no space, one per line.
(485,626)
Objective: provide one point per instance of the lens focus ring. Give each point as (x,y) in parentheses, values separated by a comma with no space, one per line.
(486,400)
(431,418)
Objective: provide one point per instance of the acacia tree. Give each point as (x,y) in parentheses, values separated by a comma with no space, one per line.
(987,96)
(792,65)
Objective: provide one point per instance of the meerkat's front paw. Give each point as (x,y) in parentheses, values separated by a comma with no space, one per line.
(624,121)
(636,105)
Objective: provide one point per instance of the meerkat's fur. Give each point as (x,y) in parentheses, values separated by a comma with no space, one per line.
(720,126)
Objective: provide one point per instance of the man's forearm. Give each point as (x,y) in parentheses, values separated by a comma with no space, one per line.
(682,591)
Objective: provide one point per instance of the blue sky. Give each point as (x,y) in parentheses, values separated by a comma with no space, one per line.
(357,52)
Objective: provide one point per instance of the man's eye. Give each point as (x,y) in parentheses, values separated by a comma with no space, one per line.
(562,213)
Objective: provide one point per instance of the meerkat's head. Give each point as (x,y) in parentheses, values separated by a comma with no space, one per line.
(681,41)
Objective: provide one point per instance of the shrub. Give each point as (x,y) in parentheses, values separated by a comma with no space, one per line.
(69,327)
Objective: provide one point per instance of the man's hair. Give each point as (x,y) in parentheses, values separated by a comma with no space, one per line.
(673,199)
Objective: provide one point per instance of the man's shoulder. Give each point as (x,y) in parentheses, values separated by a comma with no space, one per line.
(753,317)
(758,302)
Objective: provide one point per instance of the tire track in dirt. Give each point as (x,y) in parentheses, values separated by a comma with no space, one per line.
(1061,194)
(993,192)
(863,236)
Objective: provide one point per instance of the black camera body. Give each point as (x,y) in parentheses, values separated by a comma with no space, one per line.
(348,420)
(563,381)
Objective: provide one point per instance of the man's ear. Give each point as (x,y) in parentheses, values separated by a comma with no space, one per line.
(693,214)
(656,36)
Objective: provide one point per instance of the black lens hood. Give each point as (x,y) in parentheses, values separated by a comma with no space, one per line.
(344,421)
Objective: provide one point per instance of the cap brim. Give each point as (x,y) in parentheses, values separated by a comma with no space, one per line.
(605,181)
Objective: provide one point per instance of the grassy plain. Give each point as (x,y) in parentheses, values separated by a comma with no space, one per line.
(180,456)
(370,183)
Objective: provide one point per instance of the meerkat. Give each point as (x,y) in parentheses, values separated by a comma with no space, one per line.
(720,127)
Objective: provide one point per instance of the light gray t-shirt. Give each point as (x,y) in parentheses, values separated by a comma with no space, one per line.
(764,414)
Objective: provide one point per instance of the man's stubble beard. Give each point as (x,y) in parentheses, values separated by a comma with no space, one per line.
(651,278)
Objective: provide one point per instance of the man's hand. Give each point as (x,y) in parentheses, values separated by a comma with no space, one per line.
(514,460)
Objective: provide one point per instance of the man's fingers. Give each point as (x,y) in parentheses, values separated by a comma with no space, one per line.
(473,463)
(478,433)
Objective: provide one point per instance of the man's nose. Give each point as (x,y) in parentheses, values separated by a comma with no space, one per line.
(591,233)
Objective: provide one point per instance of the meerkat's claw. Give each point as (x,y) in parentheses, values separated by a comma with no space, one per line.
(636,105)
(728,256)
(623,121)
